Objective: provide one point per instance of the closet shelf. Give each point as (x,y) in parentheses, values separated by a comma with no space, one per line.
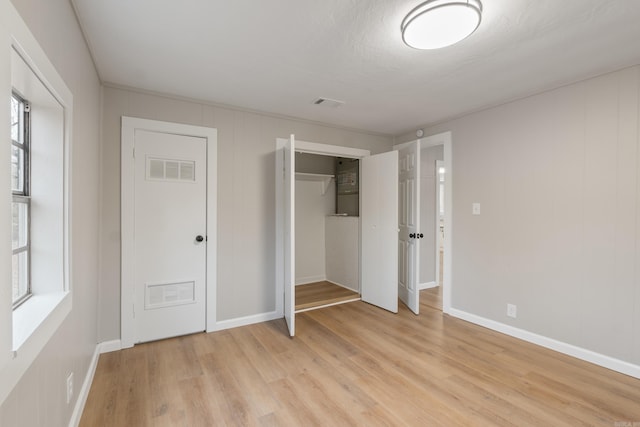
(316,177)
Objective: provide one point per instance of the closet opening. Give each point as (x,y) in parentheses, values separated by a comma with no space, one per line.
(327,231)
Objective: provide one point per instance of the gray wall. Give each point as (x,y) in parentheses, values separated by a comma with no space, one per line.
(558,177)
(246,195)
(39,398)
(315,163)
(428,182)
(312,207)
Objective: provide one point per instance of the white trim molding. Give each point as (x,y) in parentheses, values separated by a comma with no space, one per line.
(552,344)
(247,320)
(310,279)
(427,285)
(109,346)
(83,394)
(329,150)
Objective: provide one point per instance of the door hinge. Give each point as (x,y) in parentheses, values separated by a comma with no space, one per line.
(134,152)
(133,307)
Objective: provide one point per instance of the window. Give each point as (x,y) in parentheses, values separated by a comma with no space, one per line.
(37,161)
(39,205)
(21,203)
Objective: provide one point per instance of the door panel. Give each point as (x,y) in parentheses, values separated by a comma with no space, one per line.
(170,211)
(289,234)
(409,225)
(379,216)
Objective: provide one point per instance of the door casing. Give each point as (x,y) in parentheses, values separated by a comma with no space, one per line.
(303,147)
(439,164)
(127,199)
(445,140)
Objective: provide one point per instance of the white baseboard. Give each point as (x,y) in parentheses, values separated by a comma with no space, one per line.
(343,286)
(427,285)
(109,346)
(310,279)
(247,320)
(550,343)
(103,347)
(84,390)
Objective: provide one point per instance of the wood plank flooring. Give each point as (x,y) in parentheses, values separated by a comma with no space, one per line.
(354,364)
(432,298)
(320,294)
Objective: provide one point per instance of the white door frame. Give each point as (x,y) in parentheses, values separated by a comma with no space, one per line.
(439,164)
(127,199)
(301,147)
(444,139)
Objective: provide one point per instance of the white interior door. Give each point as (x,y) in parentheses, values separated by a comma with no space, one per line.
(170,235)
(379,216)
(289,234)
(409,225)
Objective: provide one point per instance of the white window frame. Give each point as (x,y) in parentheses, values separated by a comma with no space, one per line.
(23,196)
(25,330)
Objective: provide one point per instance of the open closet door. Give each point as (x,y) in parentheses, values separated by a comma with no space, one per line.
(289,234)
(379,216)
(409,225)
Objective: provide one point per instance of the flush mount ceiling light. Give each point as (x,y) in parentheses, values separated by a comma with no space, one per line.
(440,23)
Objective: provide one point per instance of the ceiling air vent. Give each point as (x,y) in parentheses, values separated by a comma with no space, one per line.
(326,102)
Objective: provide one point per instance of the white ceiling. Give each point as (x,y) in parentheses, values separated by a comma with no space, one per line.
(278,56)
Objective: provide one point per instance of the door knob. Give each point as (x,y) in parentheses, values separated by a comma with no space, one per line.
(420,236)
(199,238)
(412,235)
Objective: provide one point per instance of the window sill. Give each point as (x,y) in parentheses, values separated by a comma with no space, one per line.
(34,323)
(44,311)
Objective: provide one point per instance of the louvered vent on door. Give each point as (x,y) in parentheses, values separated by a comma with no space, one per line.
(168,294)
(170,170)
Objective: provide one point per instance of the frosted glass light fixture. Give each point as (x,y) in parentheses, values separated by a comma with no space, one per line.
(440,23)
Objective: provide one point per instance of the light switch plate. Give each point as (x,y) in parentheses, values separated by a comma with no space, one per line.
(475,208)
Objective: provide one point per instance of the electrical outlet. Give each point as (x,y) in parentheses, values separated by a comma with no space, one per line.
(475,208)
(69,388)
(512,310)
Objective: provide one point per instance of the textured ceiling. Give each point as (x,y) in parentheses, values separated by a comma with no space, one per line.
(278,56)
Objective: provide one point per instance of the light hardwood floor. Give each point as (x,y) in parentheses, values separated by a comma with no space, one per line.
(320,294)
(354,364)
(432,298)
